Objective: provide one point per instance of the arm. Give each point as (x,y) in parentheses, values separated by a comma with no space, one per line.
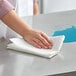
(34,37)
(16,23)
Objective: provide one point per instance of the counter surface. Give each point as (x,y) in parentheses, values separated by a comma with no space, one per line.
(14,63)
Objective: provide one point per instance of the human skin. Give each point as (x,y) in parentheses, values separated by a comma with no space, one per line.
(35,8)
(34,37)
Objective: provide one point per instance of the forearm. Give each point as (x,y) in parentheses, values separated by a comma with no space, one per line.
(16,23)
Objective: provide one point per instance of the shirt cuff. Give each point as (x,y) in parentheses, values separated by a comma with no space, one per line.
(5,7)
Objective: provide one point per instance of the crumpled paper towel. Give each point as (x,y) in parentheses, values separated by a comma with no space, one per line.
(19,44)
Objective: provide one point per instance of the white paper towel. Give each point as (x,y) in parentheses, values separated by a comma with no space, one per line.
(19,44)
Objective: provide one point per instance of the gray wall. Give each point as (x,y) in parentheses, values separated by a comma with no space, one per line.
(58,5)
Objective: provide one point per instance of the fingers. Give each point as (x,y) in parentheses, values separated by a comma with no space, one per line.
(39,39)
(35,44)
(47,38)
(44,42)
(40,43)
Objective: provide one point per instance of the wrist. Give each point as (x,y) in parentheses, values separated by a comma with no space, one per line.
(26,32)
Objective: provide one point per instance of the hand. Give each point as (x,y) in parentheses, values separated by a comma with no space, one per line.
(38,39)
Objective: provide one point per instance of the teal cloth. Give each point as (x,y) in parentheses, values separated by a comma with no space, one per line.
(70,34)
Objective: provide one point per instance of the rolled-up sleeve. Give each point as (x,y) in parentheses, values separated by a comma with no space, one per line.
(5,7)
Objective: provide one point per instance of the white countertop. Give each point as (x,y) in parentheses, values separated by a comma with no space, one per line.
(14,63)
